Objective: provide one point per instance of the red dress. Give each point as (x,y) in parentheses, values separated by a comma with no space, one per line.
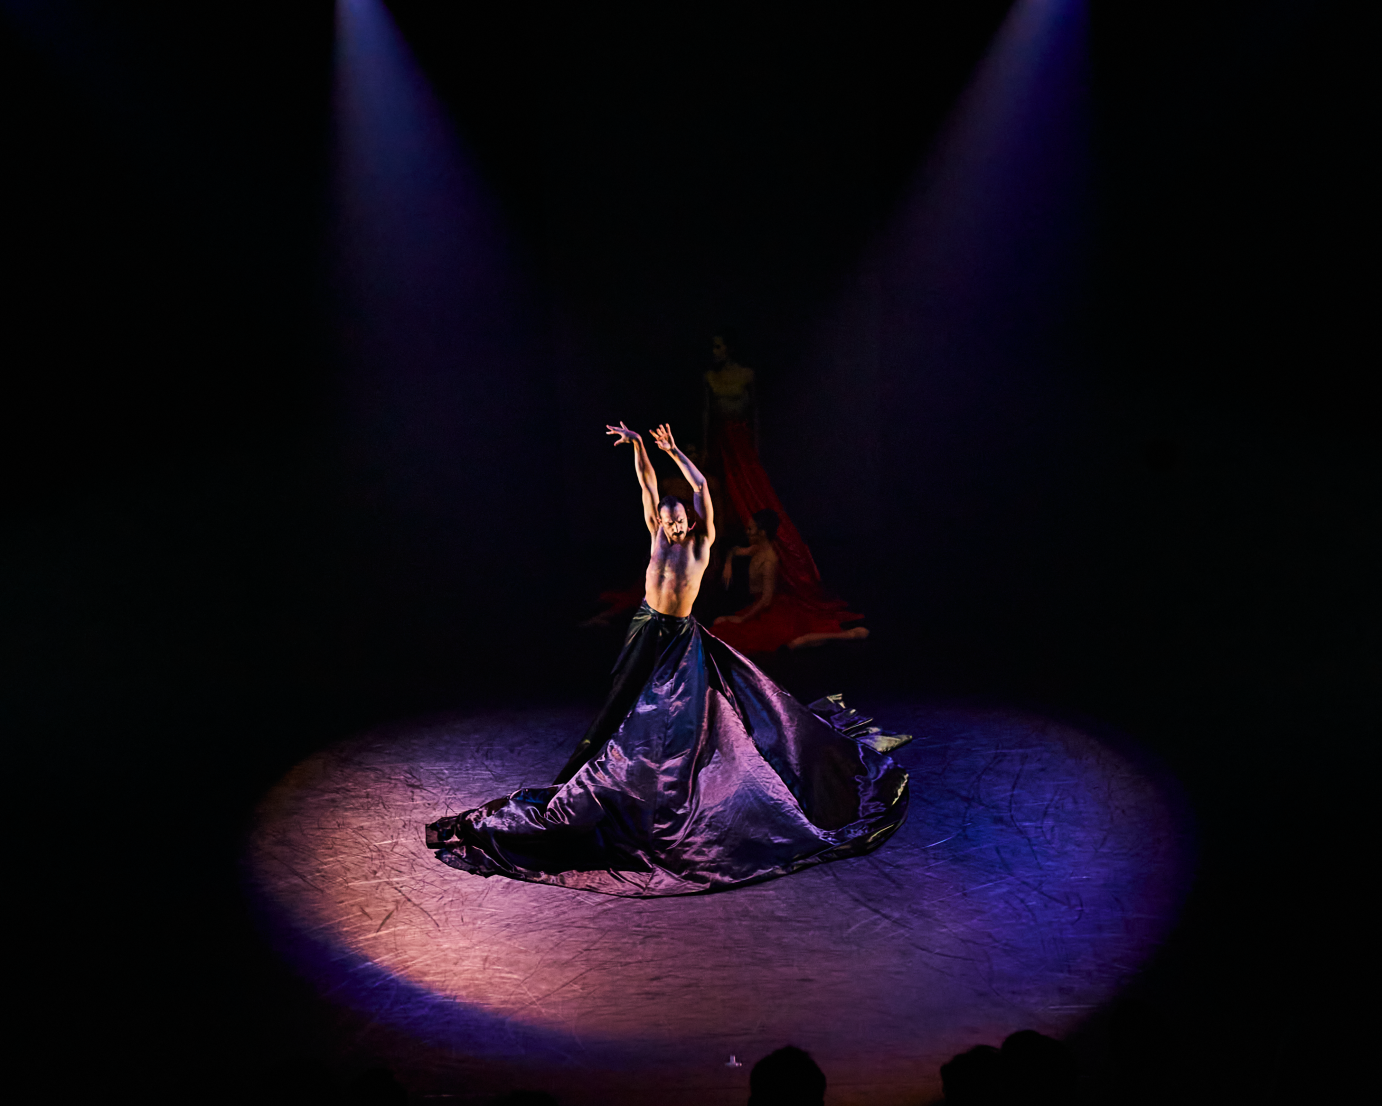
(785,619)
(801,605)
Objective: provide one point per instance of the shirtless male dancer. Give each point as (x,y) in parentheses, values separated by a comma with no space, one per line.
(677,560)
(679,553)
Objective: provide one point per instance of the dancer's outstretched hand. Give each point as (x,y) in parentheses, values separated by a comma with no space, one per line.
(623,433)
(663,436)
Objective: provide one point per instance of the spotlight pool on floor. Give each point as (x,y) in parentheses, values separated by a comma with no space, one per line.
(1038,868)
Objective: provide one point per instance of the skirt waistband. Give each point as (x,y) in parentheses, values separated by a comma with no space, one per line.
(646,610)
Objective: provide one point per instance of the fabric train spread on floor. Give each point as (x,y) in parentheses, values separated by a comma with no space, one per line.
(699,774)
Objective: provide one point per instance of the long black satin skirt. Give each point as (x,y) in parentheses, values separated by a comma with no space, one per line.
(699,774)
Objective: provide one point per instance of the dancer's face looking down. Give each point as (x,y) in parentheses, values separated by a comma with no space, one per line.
(718,350)
(674,522)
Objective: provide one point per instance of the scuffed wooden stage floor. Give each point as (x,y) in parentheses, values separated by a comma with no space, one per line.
(1037,869)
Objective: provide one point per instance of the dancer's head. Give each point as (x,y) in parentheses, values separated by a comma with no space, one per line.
(765,523)
(724,345)
(787,1077)
(677,521)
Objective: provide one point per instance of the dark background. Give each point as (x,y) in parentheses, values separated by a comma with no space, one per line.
(1163,531)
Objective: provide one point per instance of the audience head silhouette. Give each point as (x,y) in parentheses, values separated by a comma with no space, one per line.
(1029,1070)
(787,1077)
(974,1078)
(1040,1069)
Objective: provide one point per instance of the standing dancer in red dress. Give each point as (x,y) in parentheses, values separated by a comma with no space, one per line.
(790,606)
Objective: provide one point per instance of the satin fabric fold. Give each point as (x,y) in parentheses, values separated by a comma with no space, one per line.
(709,778)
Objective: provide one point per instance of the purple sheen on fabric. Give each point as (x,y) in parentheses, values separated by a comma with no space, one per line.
(715,778)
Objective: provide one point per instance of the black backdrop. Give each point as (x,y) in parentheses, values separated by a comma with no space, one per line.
(200,589)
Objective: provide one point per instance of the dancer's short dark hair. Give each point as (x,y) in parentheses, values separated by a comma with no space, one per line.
(729,335)
(670,501)
(768,521)
(787,1077)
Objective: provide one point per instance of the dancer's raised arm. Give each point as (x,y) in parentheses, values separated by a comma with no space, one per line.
(643,469)
(699,490)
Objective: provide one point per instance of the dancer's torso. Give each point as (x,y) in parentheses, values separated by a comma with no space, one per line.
(673,579)
(761,564)
(730,387)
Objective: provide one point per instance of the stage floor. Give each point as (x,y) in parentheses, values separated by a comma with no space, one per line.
(1036,871)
